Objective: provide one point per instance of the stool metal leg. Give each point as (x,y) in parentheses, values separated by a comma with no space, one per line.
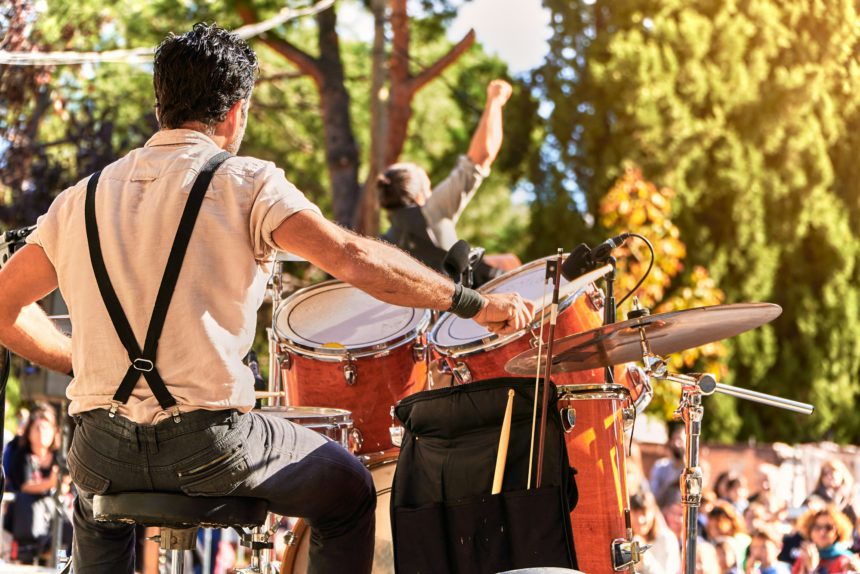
(177,561)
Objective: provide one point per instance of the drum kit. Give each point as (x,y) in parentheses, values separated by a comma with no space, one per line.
(340,360)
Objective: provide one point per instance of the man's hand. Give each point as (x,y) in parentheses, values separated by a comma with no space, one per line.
(505,313)
(499,91)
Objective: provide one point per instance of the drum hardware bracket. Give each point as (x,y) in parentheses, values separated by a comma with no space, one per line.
(461,373)
(419,351)
(627,553)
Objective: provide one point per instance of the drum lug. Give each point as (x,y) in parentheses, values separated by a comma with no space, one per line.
(357,439)
(626,553)
(568,419)
(462,374)
(396,433)
(534,340)
(290,538)
(350,373)
(286,362)
(596,298)
(419,351)
(628,415)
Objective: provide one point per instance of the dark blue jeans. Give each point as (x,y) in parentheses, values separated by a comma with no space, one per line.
(218,453)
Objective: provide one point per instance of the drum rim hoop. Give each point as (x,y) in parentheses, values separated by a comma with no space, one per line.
(337,418)
(337,355)
(612,391)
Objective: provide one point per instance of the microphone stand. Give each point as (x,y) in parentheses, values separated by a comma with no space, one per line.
(610,309)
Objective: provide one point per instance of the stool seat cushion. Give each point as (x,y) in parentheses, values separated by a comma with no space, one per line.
(178,510)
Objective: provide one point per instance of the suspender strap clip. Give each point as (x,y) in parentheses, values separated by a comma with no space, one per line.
(114,406)
(177,416)
(143,365)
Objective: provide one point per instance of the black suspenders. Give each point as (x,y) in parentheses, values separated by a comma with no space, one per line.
(143,361)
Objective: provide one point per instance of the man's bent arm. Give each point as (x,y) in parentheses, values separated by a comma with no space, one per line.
(380,269)
(24,327)
(388,273)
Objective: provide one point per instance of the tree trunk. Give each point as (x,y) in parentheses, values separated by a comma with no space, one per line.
(340,145)
(367,221)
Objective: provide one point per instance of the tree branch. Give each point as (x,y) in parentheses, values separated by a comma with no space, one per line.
(306,63)
(436,69)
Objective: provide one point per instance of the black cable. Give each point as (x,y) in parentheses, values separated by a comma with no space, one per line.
(647,271)
(4,379)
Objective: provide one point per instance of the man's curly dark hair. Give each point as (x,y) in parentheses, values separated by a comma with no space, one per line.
(200,74)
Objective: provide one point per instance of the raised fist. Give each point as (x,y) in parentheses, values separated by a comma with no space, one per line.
(499,91)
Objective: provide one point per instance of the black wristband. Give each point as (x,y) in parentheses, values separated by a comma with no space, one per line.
(466,303)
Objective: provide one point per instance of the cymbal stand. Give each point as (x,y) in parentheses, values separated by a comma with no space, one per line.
(691,411)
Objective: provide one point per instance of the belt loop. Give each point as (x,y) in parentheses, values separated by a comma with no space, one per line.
(234,420)
(137,438)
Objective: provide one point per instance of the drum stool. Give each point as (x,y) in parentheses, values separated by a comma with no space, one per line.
(179,516)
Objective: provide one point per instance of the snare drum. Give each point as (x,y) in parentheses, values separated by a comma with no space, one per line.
(340,347)
(381,467)
(336,424)
(473,353)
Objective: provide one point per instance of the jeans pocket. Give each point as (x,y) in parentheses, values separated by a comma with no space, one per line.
(216,473)
(84,477)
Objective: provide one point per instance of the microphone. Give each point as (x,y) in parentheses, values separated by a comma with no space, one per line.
(604,250)
(456,261)
(577,263)
(583,259)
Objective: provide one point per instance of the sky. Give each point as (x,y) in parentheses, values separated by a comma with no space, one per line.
(514,30)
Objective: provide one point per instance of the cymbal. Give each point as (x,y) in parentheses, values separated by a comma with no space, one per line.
(667,333)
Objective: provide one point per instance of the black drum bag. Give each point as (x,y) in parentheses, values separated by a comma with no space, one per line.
(444,519)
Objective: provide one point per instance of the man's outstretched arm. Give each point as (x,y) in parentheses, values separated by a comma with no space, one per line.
(487,139)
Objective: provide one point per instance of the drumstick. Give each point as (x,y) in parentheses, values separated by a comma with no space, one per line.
(269,394)
(502,457)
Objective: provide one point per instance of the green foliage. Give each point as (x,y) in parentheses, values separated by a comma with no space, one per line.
(749,111)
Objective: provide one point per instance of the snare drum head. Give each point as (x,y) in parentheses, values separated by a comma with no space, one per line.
(333,317)
(452,332)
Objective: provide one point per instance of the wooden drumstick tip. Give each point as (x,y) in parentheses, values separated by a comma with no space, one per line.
(502,456)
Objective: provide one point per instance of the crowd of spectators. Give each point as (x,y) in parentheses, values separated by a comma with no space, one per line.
(740,532)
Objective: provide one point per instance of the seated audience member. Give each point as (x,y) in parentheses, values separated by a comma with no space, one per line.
(762,557)
(666,472)
(827,534)
(725,522)
(731,486)
(706,559)
(768,493)
(33,469)
(835,486)
(672,510)
(664,556)
(727,556)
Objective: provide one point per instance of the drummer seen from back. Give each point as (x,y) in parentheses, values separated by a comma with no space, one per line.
(181,420)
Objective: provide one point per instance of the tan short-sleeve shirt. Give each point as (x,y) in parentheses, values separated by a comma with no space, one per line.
(212,317)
